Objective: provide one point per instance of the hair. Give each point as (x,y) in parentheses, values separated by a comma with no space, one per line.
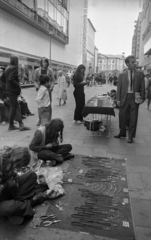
(44,59)
(20,156)
(60,71)
(11,158)
(127,59)
(14,60)
(53,129)
(43,79)
(79,68)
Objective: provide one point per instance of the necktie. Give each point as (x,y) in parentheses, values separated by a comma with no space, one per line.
(131,80)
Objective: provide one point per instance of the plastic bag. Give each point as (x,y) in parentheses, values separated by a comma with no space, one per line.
(56,192)
(52,175)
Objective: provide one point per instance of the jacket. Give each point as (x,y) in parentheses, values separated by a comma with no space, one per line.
(78,82)
(12,80)
(49,74)
(138,85)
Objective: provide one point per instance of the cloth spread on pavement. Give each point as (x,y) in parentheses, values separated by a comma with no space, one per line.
(97,199)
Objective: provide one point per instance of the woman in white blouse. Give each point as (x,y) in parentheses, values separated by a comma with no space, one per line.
(62,88)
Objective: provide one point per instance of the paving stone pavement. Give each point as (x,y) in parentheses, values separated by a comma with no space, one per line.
(138,163)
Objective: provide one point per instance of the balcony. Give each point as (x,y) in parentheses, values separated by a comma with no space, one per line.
(23,12)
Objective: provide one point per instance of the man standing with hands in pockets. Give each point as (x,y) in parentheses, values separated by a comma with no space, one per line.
(130,93)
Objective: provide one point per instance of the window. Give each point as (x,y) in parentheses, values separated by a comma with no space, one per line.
(59,18)
(29,3)
(50,10)
(41,4)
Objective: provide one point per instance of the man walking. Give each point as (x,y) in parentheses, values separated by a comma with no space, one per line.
(130,85)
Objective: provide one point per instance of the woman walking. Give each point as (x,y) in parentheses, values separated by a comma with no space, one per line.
(13,89)
(78,93)
(62,88)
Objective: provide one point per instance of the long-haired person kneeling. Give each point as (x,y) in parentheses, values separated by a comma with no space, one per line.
(18,194)
(46,143)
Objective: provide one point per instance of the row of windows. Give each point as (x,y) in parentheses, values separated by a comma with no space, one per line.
(54,11)
(111,61)
(110,67)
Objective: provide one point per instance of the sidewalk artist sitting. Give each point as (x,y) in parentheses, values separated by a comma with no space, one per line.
(18,194)
(46,143)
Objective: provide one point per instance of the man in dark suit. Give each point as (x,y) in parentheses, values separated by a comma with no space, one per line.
(130,84)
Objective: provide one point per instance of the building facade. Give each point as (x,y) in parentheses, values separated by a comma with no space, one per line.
(145,38)
(90,48)
(136,38)
(33,29)
(110,63)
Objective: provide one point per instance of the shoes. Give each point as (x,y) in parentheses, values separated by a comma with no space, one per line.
(13,128)
(119,135)
(39,198)
(30,114)
(4,123)
(24,128)
(23,116)
(79,122)
(69,156)
(130,140)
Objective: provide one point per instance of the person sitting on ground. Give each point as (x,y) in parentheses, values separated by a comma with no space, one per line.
(24,107)
(45,143)
(18,194)
(43,100)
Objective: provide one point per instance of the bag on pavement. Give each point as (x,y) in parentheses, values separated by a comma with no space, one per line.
(64,95)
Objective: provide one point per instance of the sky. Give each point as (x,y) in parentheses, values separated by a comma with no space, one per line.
(114,22)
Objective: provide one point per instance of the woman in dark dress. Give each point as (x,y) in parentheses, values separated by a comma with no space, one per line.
(78,93)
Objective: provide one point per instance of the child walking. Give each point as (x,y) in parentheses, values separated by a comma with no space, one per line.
(43,100)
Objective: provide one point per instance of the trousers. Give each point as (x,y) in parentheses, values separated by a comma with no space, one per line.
(128,113)
(52,154)
(14,108)
(80,102)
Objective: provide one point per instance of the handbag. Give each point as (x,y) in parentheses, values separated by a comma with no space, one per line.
(64,95)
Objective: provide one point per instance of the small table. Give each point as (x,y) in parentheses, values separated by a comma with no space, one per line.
(93,108)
